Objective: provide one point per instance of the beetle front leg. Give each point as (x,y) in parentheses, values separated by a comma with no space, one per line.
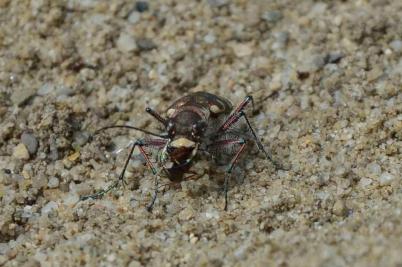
(141,144)
(234,160)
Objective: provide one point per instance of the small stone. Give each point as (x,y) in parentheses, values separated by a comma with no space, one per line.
(4,247)
(21,152)
(339,208)
(334,57)
(141,6)
(386,178)
(53,182)
(73,157)
(49,207)
(135,263)
(272,16)
(217,3)
(396,45)
(3,260)
(193,238)
(126,43)
(374,74)
(373,170)
(46,89)
(134,17)
(81,138)
(3,111)
(39,181)
(209,38)
(30,141)
(364,182)
(242,50)
(212,214)
(312,63)
(71,199)
(20,96)
(27,212)
(145,44)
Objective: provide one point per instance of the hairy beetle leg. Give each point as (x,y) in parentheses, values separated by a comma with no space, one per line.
(121,179)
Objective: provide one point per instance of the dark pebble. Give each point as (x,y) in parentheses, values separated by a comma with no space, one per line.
(30,141)
(142,6)
(333,57)
(145,44)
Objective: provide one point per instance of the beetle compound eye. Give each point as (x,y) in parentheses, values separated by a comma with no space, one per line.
(170,128)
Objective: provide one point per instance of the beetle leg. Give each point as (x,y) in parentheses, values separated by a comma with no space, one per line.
(234,118)
(151,204)
(228,142)
(260,145)
(141,144)
(229,170)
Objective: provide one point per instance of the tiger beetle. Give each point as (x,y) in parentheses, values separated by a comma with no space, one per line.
(196,123)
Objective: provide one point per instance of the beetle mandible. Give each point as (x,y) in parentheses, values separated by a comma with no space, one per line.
(198,122)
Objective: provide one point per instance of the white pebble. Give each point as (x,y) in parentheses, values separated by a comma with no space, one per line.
(373,170)
(364,182)
(71,199)
(126,43)
(49,207)
(386,178)
(134,17)
(53,182)
(396,45)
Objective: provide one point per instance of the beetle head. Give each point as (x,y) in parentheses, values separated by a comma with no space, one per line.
(181,150)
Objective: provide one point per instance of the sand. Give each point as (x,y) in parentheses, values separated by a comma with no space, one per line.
(327,80)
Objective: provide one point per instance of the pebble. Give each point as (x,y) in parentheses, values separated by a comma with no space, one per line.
(312,63)
(3,260)
(134,17)
(272,16)
(46,89)
(126,43)
(39,181)
(396,45)
(53,182)
(71,199)
(4,247)
(373,170)
(21,152)
(30,141)
(218,3)
(334,57)
(242,49)
(27,212)
(145,44)
(49,207)
(19,97)
(81,138)
(386,178)
(339,208)
(364,182)
(209,38)
(374,74)
(135,263)
(141,6)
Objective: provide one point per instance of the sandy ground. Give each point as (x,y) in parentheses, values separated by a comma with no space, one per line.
(327,79)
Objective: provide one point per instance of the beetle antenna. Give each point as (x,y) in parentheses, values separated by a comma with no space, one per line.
(129,127)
